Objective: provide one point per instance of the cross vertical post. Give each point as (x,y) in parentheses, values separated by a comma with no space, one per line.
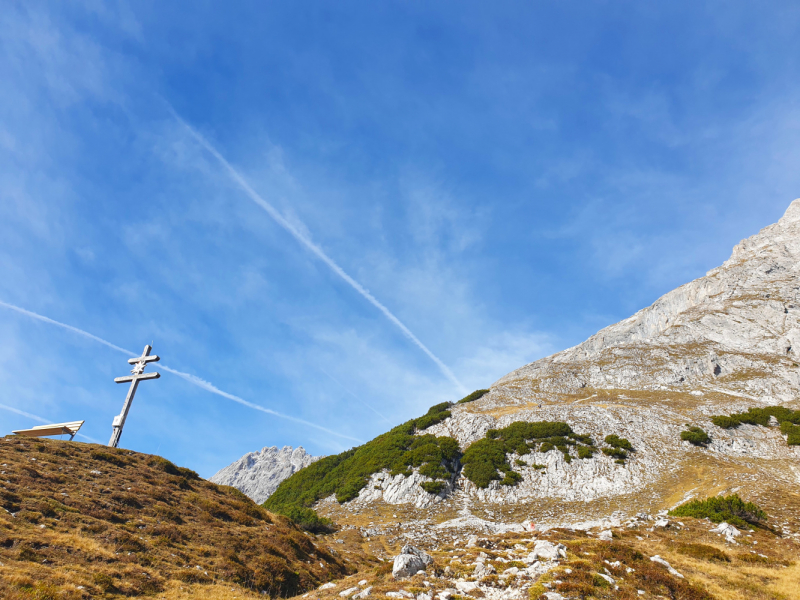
(137,375)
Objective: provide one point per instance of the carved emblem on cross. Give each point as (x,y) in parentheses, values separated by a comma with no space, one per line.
(137,375)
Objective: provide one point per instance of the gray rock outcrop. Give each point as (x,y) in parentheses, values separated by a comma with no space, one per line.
(409,562)
(257,474)
(720,344)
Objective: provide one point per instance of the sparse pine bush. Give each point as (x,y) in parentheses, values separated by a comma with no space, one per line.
(345,475)
(486,460)
(615,441)
(473,396)
(789,420)
(432,487)
(731,509)
(696,436)
(792,432)
(617,453)
(725,422)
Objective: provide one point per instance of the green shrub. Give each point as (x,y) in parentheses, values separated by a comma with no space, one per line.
(757,416)
(486,459)
(473,396)
(725,422)
(585,451)
(615,441)
(792,432)
(696,436)
(309,520)
(432,487)
(789,420)
(617,453)
(731,509)
(344,475)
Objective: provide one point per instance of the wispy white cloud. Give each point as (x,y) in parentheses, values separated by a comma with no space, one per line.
(300,234)
(193,379)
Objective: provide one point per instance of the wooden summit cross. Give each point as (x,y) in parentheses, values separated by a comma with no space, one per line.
(137,375)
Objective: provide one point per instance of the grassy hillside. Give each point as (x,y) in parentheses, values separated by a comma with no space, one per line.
(86,521)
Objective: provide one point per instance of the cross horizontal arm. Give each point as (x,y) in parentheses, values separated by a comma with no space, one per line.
(137,377)
(146,359)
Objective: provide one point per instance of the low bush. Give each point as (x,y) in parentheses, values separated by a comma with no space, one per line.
(345,475)
(615,441)
(486,459)
(473,396)
(792,432)
(619,448)
(696,436)
(725,422)
(757,416)
(703,552)
(617,453)
(731,509)
(432,487)
(309,520)
(788,419)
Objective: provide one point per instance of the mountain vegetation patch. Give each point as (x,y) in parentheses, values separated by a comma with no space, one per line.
(788,419)
(731,509)
(344,475)
(477,394)
(695,436)
(619,448)
(487,460)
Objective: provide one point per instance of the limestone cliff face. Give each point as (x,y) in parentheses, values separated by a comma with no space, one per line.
(257,474)
(737,329)
(720,344)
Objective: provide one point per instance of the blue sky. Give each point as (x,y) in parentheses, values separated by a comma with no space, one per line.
(505,179)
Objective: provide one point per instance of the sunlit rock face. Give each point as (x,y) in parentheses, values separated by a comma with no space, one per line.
(720,344)
(257,474)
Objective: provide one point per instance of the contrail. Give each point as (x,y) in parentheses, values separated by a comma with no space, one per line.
(375,410)
(314,249)
(43,420)
(85,334)
(193,379)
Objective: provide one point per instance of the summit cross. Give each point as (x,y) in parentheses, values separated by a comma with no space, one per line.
(137,375)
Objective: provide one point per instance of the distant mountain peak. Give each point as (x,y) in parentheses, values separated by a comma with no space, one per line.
(257,474)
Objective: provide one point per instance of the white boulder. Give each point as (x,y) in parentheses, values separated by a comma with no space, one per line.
(409,562)
(661,561)
(729,531)
(544,550)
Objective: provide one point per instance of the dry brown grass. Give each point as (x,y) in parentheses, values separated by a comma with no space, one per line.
(83,521)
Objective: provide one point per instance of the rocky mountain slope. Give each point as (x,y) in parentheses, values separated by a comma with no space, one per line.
(257,474)
(81,521)
(721,344)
